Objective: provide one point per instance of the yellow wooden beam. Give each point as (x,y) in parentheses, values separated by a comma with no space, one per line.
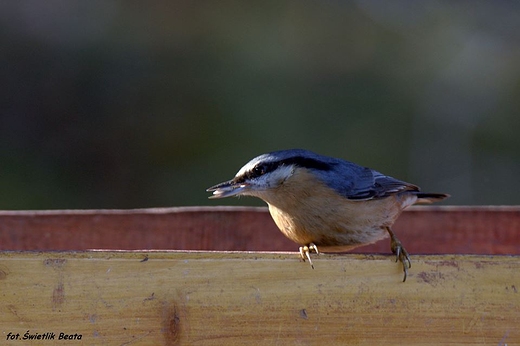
(229,298)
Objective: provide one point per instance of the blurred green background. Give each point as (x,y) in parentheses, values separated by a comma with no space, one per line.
(130,104)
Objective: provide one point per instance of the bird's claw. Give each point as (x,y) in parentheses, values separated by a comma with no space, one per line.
(400,254)
(305,252)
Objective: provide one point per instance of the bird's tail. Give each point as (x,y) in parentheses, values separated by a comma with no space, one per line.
(426,198)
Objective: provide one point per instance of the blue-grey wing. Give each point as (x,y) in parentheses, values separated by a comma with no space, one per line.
(361,183)
(381,186)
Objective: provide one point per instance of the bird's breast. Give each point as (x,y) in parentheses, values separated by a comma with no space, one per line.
(310,212)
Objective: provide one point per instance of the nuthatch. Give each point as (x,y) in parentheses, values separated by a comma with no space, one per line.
(320,201)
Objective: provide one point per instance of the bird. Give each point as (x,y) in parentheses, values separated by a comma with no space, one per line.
(327,204)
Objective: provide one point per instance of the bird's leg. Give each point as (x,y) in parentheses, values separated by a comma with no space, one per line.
(305,252)
(400,252)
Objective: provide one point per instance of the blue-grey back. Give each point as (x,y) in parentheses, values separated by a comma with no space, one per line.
(346,178)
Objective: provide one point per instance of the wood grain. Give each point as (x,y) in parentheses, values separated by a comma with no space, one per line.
(238,298)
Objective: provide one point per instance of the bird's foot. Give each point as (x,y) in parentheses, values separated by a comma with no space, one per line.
(305,252)
(400,253)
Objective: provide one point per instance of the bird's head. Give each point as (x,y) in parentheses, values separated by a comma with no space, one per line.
(265,173)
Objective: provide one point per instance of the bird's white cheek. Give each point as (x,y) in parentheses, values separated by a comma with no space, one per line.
(279,176)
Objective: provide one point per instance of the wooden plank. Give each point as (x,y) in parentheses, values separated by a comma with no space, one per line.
(426,230)
(216,298)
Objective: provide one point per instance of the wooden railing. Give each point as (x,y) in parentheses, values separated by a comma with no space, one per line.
(133,277)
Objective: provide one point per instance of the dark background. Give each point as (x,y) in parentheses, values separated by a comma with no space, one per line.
(130,104)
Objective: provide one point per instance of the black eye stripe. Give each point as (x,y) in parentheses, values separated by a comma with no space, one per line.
(307,163)
(261,169)
(299,161)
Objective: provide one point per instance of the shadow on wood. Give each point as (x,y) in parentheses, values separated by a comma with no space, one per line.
(425,230)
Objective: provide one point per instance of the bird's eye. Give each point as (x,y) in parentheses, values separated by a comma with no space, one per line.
(259,170)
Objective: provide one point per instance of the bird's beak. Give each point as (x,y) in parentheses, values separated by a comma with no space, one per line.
(227,189)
